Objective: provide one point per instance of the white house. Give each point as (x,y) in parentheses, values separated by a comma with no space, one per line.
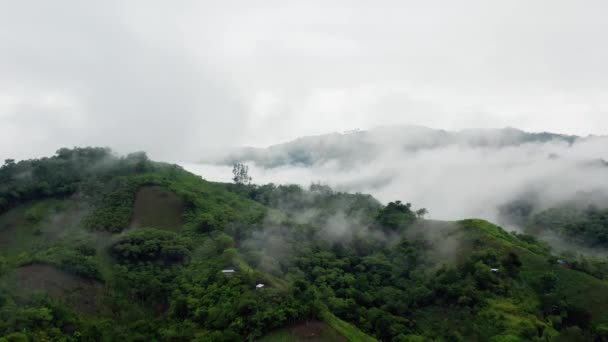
(259,286)
(494,269)
(228,272)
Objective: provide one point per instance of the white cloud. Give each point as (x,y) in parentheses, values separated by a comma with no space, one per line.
(182,79)
(453,181)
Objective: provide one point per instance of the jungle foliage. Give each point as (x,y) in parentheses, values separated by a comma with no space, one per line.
(371,271)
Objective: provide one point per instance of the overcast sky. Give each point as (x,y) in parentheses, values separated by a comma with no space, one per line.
(179,78)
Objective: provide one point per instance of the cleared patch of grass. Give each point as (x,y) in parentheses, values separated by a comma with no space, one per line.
(308,331)
(349,331)
(81,294)
(584,291)
(273,281)
(34,227)
(11,224)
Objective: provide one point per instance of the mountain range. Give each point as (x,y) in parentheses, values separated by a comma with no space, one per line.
(364,145)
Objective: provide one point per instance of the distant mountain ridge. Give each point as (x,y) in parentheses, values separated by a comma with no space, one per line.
(364,145)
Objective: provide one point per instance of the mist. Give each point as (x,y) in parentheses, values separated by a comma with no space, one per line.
(194,81)
(453,181)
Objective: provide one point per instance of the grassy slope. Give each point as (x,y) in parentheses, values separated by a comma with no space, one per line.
(24,239)
(334,330)
(346,329)
(31,235)
(86,296)
(301,333)
(15,235)
(519,311)
(581,290)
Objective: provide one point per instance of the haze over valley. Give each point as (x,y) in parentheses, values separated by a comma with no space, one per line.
(456,174)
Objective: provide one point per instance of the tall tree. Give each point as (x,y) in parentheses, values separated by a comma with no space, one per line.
(241,174)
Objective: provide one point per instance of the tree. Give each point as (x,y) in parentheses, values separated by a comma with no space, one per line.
(9,162)
(396,215)
(206,222)
(241,174)
(139,160)
(548,282)
(512,264)
(420,213)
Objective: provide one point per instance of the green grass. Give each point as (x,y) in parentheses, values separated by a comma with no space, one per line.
(498,237)
(305,332)
(83,295)
(273,281)
(44,233)
(346,329)
(579,289)
(517,319)
(15,235)
(281,335)
(32,228)
(584,291)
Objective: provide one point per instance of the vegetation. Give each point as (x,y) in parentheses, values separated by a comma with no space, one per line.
(345,329)
(589,225)
(83,221)
(579,220)
(241,174)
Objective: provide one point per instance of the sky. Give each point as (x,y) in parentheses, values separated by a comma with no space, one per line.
(183,79)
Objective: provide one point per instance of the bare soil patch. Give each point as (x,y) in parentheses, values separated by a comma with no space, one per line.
(157,207)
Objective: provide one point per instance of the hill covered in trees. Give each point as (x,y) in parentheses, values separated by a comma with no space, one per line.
(99,247)
(365,145)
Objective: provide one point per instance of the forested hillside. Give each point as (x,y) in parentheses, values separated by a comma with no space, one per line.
(99,247)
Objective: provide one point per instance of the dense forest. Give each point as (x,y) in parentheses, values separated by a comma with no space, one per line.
(583,220)
(100,247)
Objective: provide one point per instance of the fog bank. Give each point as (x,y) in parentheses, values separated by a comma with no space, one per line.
(453,181)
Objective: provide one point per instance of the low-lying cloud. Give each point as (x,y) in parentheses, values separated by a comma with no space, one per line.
(453,181)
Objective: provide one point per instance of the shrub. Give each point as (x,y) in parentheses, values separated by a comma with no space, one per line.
(152,245)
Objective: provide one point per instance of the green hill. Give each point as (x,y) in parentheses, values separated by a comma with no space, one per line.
(98,247)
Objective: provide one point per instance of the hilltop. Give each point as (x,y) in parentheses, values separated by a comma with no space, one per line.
(349,148)
(100,247)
